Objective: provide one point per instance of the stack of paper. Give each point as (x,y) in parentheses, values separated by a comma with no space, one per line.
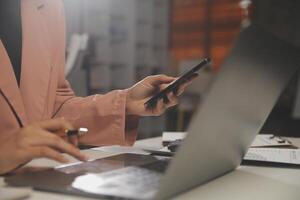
(270,141)
(290,156)
(263,140)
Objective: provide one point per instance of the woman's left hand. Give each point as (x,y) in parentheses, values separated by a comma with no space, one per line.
(147,88)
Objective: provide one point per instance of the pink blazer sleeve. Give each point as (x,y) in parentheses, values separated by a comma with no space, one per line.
(103,115)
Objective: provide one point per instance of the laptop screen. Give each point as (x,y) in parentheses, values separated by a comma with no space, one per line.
(245,91)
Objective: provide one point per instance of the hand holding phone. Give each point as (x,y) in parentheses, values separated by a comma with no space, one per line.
(175,86)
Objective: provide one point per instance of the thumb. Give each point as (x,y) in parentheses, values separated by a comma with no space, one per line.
(160,79)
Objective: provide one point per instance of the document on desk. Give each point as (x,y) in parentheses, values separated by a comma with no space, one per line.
(262,140)
(172,136)
(277,155)
(268,140)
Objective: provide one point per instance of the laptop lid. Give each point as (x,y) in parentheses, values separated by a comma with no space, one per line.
(239,102)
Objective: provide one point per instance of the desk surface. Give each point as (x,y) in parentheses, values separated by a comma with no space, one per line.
(247,182)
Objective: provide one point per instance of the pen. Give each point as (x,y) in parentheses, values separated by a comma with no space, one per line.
(78,132)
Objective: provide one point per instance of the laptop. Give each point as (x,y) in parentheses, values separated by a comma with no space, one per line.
(248,86)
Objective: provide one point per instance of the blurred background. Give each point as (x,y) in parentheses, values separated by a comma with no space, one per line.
(114,43)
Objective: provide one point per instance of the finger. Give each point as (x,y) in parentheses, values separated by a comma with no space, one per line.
(163,86)
(173,100)
(160,108)
(73,140)
(65,138)
(44,138)
(166,99)
(68,148)
(151,105)
(183,87)
(70,139)
(56,124)
(160,79)
(46,152)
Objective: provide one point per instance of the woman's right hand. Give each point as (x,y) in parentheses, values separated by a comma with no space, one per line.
(36,141)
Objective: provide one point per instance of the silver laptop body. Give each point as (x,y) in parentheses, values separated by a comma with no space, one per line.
(247,88)
(239,102)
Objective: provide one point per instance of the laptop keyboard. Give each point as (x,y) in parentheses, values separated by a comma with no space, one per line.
(148,174)
(136,182)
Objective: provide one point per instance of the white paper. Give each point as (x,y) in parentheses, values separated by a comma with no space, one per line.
(263,140)
(274,155)
(266,140)
(121,149)
(172,136)
(10,193)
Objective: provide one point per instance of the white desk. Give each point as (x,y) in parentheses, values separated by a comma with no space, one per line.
(245,183)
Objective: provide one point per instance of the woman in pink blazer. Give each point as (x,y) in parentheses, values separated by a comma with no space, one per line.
(38,101)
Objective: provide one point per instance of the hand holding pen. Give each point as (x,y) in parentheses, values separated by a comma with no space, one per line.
(37,141)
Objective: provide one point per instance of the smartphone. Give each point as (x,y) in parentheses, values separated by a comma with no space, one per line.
(175,86)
